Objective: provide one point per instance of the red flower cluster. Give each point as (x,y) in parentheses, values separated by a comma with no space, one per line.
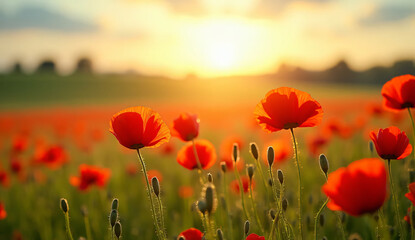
(89,176)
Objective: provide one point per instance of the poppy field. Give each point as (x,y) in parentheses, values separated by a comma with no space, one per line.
(274,160)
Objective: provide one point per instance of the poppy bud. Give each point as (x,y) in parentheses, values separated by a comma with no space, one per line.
(181,238)
(223,167)
(210,177)
(324,164)
(219,233)
(114,204)
(253,149)
(284,204)
(280,176)
(371,147)
(272,213)
(270,182)
(156,186)
(84,211)
(201,205)
(113,217)
(210,198)
(235,153)
(246,227)
(117,229)
(64,205)
(322,218)
(270,156)
(250,170)
(411,175)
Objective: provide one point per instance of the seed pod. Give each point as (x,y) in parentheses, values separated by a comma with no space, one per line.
(117,229)
(253,149)
(201,205)
(324,164)
(371,147)
(235,152)
(156,186)
(210,177)
(219,234)
(250,171)
(223,167)
(272,213)
(113,217)
(322,219)
(280,176)
(64,205)
(270,182)
(114,204)
(270,156)
(84,211)
(246,227)
(209,196)
(284,204)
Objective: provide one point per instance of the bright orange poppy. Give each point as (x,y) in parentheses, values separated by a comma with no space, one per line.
(205,151)
(358,188)
(285,108)
(186,127)
(391,143)
(398,93)
(254,236)
(90,175)
(139,127)
(53,157)
(186,192)
(411,194)
(245,185)
(191,234)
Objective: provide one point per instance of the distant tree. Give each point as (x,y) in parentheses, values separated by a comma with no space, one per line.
(84,65)
(47,66)
(341,72)
(403,67)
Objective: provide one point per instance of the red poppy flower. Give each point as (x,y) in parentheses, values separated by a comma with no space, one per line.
(16,165)
(167,148)
(131,169)
(411,194)
(186,192)
(316,142)
(285,108)
(139,127)
(154,173)
(3,213)
(358,188)
(398,93)
(245,185)
(391,143)
(205,151)
(53,157)
(407,216)
(337,127)
(20,144)
(186,127)
(282,152)
(4,178)
(253,236)
(90,175)
(191,234)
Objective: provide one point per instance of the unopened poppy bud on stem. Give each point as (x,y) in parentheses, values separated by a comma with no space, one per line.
(235,152)
(181,238)
(156,186)
(210,177)
(210,198)
(246,227)
(253,149)
(280,176)
(324,164)
(117,229)
(270,156)
(223,167)
(114,204)
(64,205)
(113,217)
(250,170)
(272,213)
(371,147)
(284,204)
(219,234)
(322,219)
(201,205)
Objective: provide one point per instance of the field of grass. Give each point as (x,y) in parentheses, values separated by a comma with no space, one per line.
(74,112)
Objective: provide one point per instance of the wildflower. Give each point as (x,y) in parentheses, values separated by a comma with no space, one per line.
(185,192)
(191,234)
(90,175)
(253,236)
(245,185)
(205,151)
(411,194)
(391,143)
(186,127)
(3,213)
(398,93)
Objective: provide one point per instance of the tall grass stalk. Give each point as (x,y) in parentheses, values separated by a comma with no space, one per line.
(300,224)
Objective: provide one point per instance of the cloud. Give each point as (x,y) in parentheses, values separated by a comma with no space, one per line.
(33,17)
(387,14)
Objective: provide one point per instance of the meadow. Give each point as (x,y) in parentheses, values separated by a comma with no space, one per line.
(73,114)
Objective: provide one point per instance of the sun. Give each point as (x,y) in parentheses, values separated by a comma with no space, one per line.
(221,55)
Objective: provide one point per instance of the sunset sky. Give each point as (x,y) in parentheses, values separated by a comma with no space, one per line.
(206,37)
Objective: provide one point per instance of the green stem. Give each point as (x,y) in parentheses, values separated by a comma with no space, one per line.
(284,221)
(398,218)
(225,196)
(273,223)
(273,187)
(153,210)
(254,207)
(161,215)
(413,134)
(87,228)
(199,166)
(68,228)
(316,218)
(258,165)
(339,220)
(241,190)
(299,183)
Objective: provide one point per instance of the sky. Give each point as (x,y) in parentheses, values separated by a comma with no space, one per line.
(205,37)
